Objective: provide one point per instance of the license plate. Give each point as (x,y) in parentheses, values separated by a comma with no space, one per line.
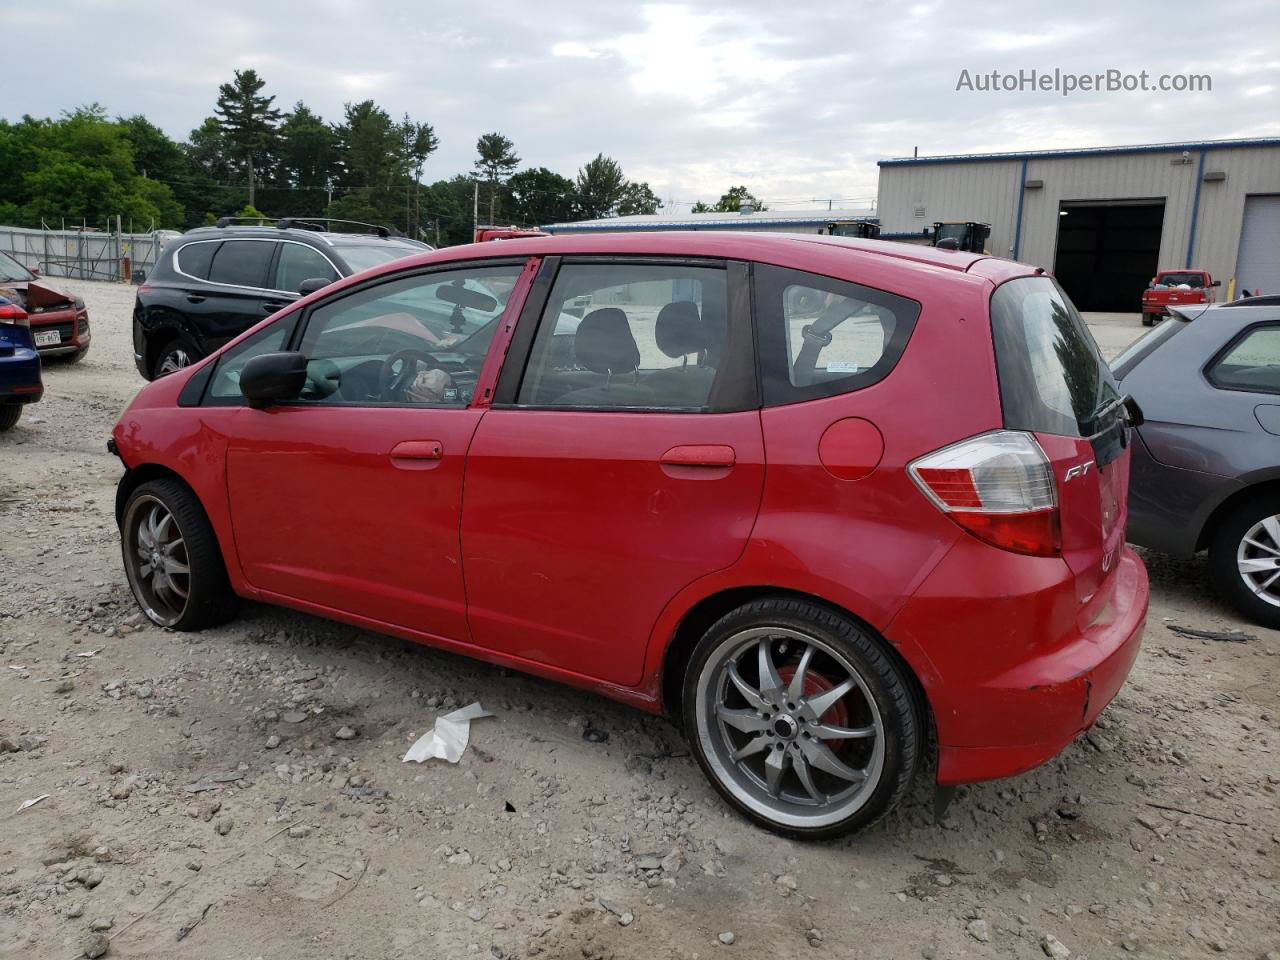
(48,338)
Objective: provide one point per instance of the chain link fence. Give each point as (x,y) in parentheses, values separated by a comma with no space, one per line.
(86,254)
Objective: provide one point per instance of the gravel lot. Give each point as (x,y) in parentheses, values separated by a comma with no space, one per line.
(196,790)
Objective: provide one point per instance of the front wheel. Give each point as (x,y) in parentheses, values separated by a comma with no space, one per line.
(10,414)
(1244,559)
(172,560)
(801,719)
(174,356)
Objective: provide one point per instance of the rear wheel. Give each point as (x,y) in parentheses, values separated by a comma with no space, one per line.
(1148,320)
(172,560)
(10,413)
(800,719)
(1244,559)
(173,356)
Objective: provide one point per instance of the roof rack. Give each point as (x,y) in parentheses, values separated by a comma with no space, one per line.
(318,224)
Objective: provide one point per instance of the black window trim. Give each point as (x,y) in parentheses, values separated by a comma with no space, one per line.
(1243,334)
(740,329)
(776,388)
(271,264)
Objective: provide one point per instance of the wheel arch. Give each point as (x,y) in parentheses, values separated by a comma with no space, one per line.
(1257,488)
(144,473)
(699,618)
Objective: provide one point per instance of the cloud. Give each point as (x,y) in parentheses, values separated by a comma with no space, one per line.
(797,100)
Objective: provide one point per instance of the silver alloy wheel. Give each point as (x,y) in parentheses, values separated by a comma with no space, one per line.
(156,560)
(174,360)
(765,701)
(1258,559)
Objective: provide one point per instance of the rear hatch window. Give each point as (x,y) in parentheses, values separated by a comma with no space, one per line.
(1055,384)
(1145,345)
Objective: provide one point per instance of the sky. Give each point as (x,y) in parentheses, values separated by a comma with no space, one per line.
(795,100)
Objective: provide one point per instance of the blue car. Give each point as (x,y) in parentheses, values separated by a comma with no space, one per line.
(20,381)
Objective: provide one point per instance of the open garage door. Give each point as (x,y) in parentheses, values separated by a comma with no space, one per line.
(1108,251)
(1258,266)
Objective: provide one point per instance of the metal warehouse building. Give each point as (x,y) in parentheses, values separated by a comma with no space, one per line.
(839,221)
(1106,219)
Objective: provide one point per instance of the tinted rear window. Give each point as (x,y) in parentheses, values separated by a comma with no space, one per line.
(1052,377)
(1145,345)
(242,263)
(194,258)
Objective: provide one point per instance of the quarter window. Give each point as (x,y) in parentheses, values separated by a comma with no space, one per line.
(297,263)
(194,258)
(1253,363)
(629,336)
(820,336)
(226,378)
(242,263)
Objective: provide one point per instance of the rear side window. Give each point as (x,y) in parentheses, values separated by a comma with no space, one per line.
(1145,345)
(194,258)
(1052,377)
(242,263)
(820,336)
(1251,363)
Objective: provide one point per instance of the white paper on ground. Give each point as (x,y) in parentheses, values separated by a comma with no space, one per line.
(33,801)
(448,739)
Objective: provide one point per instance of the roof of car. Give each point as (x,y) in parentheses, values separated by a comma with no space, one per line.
(321,237)
(745,244)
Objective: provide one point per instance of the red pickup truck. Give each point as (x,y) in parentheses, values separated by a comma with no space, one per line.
(1175,288)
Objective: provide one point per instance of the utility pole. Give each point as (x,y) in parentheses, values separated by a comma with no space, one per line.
(475,209)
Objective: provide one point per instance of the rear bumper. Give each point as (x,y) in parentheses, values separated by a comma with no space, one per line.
(1004,703)
(20,377)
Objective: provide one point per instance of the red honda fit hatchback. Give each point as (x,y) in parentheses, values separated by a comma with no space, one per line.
(808,494)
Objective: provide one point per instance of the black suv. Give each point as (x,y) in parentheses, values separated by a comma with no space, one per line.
(213,283)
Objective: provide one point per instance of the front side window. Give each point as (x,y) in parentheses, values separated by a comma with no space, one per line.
(298,262)
(225,384)
(240,263)
(1252,363)
(418,340)
(820,336)
(629,336)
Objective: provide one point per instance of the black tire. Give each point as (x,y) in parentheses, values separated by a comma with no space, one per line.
(209,598)
(1224,559)
(1147,320)
(175,354)
(885,694)
(10,414)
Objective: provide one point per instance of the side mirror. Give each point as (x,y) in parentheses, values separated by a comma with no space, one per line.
(1215,283)
(312,284)
(273,378)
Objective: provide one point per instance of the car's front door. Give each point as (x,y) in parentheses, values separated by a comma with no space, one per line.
(350,498)
(626,463)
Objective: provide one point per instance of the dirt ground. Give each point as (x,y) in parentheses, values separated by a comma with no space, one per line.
(197,802)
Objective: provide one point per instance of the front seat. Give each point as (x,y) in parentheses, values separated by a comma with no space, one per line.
(604,345)
(681,333)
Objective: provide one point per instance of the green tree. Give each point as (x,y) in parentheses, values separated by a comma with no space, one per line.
(306,161)
(539,196)
(733,199)
(417,142)
(446,211)
(248,122)
(601,187)
(638,198)
(497,161)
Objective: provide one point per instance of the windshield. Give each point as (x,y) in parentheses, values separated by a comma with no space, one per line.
(11,269)
(1052,377)
(362,256)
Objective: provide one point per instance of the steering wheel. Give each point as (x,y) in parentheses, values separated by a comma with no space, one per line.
(399,370)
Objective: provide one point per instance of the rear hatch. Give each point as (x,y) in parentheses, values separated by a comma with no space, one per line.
(1055,385)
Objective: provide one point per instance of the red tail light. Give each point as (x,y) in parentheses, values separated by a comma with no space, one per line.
(999,487)
(12,313)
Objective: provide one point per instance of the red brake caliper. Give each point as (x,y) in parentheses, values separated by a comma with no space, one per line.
(814,683)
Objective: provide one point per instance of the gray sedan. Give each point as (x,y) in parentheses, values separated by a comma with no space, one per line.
(1206,463)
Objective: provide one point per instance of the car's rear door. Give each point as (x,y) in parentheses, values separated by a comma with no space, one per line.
(621,464)
(236,296)
(1055,384)
(350,498)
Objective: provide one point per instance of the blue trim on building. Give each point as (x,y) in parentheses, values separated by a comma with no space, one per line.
(1082,152)
(1022,195)
(1195,210)
(655,227)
